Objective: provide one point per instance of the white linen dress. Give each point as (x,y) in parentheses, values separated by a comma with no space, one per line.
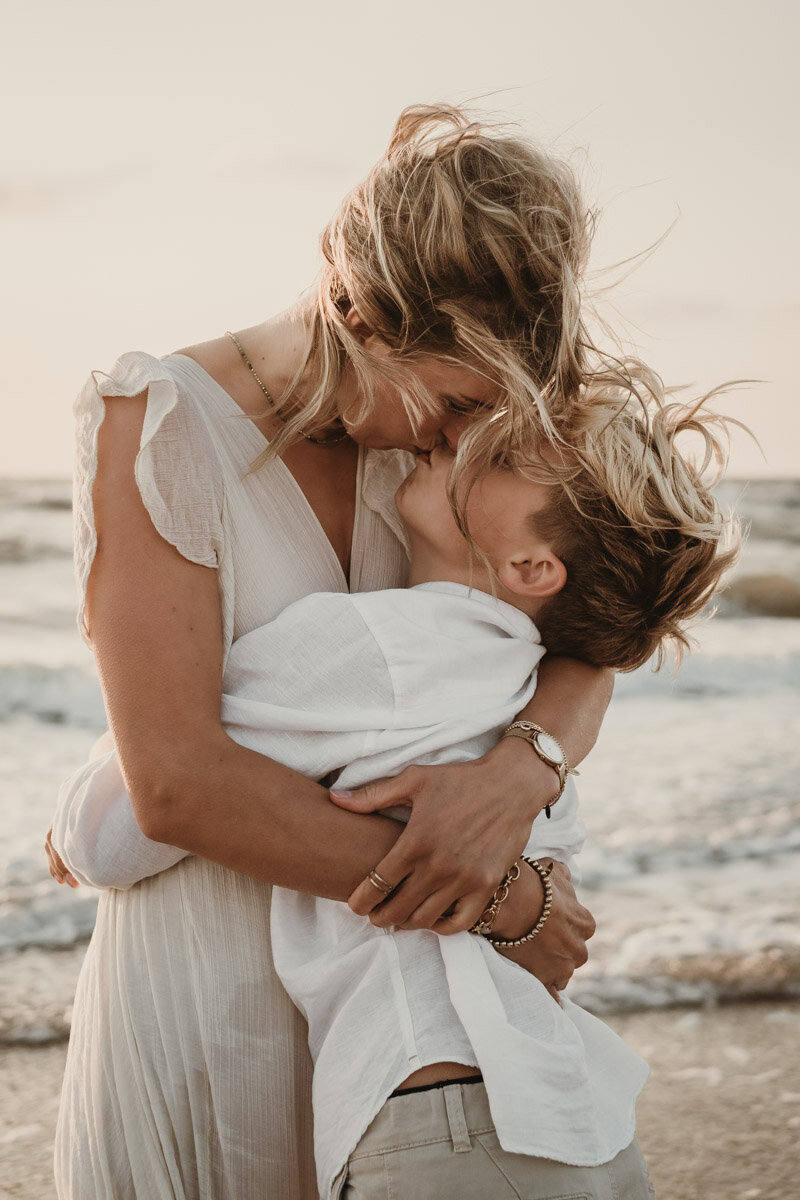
(188,1074)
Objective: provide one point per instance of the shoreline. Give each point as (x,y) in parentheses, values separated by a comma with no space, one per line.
(718,1120)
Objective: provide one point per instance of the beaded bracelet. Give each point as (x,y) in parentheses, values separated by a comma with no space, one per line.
(486,920)
(544,875)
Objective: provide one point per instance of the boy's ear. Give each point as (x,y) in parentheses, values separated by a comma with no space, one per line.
(538,575)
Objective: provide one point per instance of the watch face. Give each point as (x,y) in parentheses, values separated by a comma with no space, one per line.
(550,748)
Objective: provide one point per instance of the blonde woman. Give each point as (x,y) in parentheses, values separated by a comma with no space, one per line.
(213,488)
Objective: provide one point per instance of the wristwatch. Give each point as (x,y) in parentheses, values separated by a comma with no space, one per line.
(550,751)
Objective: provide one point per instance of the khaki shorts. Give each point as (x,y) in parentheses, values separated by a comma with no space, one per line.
(441,1145)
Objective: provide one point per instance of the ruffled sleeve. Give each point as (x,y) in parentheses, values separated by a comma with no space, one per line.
(178,471)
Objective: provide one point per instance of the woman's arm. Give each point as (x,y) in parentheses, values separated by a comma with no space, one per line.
(483,807)
(154,621)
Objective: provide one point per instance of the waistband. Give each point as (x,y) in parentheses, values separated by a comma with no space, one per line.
(448,1111)
(432,1087)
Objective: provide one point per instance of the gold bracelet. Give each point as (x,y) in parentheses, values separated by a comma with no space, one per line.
(486,920)
(544,875)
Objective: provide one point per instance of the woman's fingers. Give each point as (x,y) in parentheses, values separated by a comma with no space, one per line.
(461,915)
(383,793)
(416,887)
(457,846)
(424,889)
(412,906)
(382,908)
(440,913)
(56,865)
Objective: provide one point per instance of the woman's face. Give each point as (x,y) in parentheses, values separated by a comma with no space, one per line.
(460,392)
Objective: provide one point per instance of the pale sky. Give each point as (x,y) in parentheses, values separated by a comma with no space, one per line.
(166,166)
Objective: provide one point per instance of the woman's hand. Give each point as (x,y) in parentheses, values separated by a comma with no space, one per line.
(557,952)
(469,822)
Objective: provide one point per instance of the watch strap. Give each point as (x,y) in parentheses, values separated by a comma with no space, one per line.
(527,731)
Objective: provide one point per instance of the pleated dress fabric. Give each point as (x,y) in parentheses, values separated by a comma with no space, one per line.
(188,1074)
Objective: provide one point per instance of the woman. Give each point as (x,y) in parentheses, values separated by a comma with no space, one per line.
(214,488)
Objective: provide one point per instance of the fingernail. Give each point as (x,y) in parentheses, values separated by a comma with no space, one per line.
(72,881)
(345,793)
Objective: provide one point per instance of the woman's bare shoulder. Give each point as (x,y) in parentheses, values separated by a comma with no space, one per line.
(213,356)
(220,359)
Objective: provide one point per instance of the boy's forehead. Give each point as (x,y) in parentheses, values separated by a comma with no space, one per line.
(506,495)
(539,462)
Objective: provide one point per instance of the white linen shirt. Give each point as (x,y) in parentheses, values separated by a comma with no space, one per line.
(366,684)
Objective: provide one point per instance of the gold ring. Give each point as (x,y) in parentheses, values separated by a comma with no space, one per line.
(377,881)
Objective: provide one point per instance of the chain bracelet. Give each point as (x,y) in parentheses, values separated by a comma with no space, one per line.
(486,920)
(544,875)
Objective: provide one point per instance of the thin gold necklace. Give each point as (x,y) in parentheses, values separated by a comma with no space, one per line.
(332,439)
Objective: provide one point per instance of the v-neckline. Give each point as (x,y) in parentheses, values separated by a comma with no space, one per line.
(263,441)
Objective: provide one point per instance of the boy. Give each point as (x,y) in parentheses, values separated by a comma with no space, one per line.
(610,541)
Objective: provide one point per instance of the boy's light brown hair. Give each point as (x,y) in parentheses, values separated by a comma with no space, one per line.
(635,521)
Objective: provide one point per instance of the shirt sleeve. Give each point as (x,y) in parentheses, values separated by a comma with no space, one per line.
(177,469)
(96,832)
(310,689)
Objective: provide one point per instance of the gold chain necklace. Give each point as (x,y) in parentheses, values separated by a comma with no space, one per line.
(332,439)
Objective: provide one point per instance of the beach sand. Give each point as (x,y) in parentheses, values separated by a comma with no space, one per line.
(719,1119)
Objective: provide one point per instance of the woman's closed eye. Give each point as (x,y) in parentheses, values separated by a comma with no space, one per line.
(462,405)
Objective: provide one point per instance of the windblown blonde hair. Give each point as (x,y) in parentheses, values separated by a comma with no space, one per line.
(467,243)
(635,521)
(463,242)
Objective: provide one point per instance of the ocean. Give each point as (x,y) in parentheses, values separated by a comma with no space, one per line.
(691,797)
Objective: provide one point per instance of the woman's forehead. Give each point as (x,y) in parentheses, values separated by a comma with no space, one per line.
(470,382)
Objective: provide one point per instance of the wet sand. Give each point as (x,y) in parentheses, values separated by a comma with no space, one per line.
(719,1119)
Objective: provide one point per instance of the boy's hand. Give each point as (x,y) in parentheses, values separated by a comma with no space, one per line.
(55,864)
